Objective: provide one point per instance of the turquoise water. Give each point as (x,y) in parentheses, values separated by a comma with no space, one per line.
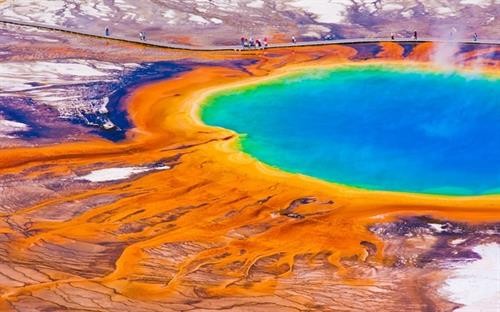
(372,127)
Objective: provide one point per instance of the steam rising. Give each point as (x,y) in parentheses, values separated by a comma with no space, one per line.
(445,53)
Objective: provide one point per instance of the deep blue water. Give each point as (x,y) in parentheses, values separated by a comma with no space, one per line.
(373,127)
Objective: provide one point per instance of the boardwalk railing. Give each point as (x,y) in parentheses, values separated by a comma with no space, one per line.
(153,43)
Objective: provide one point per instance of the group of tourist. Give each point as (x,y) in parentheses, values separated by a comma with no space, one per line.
(251,43)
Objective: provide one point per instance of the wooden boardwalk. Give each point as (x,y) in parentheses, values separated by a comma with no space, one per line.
(159,44)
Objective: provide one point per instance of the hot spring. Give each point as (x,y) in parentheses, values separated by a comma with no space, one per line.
(373,127)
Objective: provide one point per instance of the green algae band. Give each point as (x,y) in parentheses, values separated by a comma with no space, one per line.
(372,127)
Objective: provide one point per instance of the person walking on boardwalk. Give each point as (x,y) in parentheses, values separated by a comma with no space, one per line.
(142,36)
(475,36)
(453,31)
(265,42)
(294,41)
(415,35)
(106,31)
(392,36)
(242,40)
